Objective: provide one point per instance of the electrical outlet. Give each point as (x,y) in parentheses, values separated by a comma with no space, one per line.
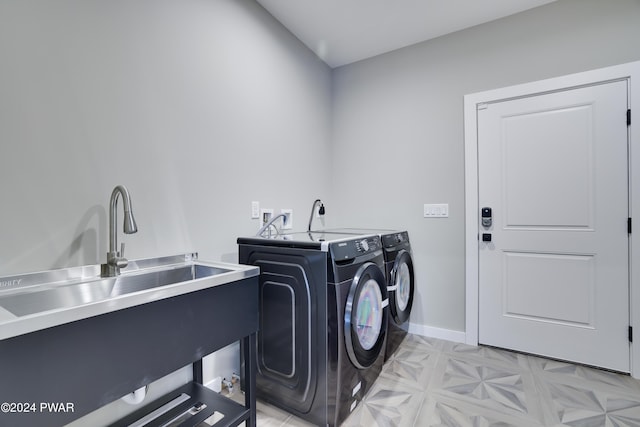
(255,210)
(439,210)
(265,216)
(287,221)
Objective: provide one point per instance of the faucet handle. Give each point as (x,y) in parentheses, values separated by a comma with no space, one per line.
(121,261)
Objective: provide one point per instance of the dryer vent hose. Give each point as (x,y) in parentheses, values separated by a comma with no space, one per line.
(313,210)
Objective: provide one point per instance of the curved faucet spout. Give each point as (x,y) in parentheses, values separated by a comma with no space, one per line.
(130,225)
(115,259)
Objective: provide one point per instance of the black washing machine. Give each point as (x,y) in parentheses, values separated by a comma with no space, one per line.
(323,320)
(400,280)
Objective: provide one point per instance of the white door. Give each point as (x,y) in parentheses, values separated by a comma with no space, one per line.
(553,280)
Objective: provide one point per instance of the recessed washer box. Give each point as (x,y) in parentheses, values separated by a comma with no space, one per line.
(287,221)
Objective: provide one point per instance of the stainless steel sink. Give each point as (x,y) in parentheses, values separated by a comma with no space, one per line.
(40,300)
(64,296)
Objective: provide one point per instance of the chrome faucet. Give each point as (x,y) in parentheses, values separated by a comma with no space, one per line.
(115,259)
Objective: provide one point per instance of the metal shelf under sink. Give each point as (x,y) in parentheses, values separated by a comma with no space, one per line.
(180,408)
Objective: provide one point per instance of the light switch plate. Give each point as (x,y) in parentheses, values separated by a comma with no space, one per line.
(437,210)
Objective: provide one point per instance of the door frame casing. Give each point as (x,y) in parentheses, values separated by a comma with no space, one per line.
(630,71)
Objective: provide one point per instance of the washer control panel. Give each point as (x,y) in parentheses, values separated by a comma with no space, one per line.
(362,245)
(357,247)
(368,244)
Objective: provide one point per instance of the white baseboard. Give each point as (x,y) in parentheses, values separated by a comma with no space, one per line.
(433,332)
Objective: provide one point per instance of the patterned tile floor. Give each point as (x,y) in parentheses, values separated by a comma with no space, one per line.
(430,382)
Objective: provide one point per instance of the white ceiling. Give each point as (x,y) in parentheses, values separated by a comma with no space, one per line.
(345,31)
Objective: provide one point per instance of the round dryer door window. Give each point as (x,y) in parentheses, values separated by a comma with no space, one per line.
(403,283)
(366,316)
(401,295)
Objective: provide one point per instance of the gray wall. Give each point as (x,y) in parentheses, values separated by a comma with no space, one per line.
(403,112)
(198,107)
(201,106)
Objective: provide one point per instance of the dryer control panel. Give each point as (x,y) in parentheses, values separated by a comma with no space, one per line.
(393,240)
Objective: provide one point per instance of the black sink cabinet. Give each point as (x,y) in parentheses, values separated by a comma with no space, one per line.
(53,376)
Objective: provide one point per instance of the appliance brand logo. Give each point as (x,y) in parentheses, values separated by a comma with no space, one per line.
(7,283)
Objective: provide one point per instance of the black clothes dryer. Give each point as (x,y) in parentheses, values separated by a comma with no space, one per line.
(323,321)
(401,286)
(398,261)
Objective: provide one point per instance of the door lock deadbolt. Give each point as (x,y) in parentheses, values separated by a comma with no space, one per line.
(487,219)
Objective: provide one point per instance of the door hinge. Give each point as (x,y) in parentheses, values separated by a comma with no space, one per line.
(630,333)
(629,117)
(629,225)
